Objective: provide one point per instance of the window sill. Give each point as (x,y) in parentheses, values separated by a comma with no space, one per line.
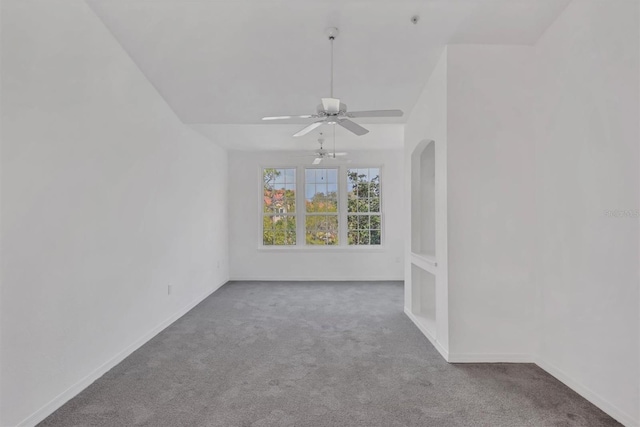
(324,249)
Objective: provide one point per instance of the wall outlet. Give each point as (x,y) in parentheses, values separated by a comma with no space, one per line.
(169,289)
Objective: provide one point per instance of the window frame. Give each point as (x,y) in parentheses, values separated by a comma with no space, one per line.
(338,201)
(368,213)
(262,214)
(342,245)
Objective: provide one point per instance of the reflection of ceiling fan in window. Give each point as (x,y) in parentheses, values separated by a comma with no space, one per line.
(321,154)
(333,112)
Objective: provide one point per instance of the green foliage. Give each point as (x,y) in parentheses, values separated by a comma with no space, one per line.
(279,230)
(321,221)
(364,199)
(279,202)
(322,229)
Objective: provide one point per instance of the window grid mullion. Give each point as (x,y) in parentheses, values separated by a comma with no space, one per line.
(301,207)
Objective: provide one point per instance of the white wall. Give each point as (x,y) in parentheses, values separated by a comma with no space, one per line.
(106,199)
(543,194)
(490,186)
(587,164)
(428,121)
(249,262)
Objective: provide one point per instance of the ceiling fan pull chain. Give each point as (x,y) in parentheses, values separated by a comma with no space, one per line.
(334,141)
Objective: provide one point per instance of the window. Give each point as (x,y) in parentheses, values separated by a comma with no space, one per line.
(363,210)
(331,216)
(321,203)
(279,207)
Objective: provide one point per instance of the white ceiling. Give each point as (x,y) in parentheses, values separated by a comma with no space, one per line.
(258,137)
(234,61)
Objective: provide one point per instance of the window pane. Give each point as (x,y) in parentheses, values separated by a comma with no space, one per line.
(321,229)
(332,205)
(352,222)
(332,230)
(352,203)
(290,176)
(374,204)
(309,176)
(279,230)
(352,175)
(332,176)
(289,228)
(279,201)
(375,222)
(363,186)
(279,177)
(267,231)
(362,190)
(279,237)
(321,190)
(321,196)
(374,174)
(363,222)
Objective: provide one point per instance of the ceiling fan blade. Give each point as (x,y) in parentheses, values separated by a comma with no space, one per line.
(353,127)
(331,105)
(309,128)
(376,113)
(305,116)
(336,160)
(338,154)
(317,160)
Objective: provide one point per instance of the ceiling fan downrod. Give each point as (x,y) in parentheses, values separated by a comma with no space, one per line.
(332,33)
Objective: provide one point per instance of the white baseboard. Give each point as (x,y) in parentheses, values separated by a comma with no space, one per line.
(490,358)
(443,351)
(602,403)
(319,279)
(612,410)
(76,388)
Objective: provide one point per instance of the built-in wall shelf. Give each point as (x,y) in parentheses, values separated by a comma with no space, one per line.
(425,279)
(425,262)
(423,304)
(426,326)
(423,199)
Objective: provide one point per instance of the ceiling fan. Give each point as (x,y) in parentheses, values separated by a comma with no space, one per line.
(333,112)
(321,154)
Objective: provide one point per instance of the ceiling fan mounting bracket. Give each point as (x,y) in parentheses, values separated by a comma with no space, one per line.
(332,32)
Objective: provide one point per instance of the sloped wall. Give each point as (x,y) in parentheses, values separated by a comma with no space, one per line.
(107,198)
(587,203)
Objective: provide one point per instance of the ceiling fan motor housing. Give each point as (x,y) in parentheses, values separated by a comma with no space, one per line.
(324,113)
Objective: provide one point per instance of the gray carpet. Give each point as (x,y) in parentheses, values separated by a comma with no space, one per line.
(314,354)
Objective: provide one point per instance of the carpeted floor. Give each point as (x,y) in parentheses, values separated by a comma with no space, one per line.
(314,354)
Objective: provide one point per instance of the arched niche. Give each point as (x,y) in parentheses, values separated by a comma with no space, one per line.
(423,199)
